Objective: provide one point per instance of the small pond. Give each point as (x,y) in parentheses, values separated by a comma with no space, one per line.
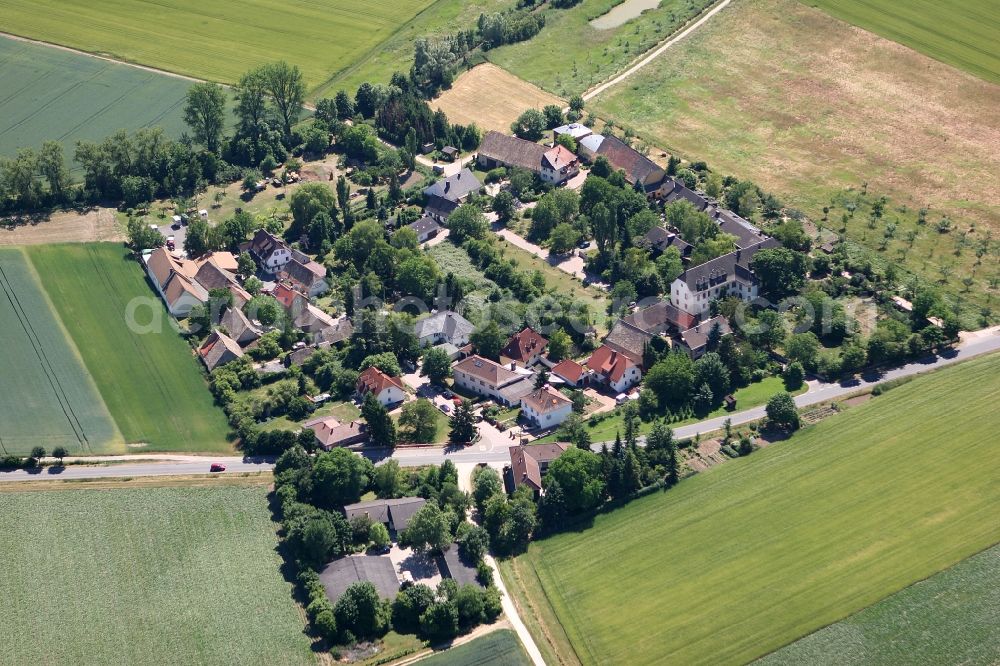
(623,13)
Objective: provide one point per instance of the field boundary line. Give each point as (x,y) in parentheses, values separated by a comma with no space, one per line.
(135,65)
(655,53)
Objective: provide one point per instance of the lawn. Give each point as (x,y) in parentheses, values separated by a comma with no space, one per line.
(747,397)
(47,398)
(808,106)
(63,96)
(497,648)
(150,381)
(751,555)
(168,575)
(963,34)
(342,411)
(570,55)
(950,618)
(216,40)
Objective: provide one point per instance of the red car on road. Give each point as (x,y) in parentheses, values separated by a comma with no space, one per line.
(217,467)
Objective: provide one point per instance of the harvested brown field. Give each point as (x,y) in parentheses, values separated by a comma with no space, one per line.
(491,97)
(97,224)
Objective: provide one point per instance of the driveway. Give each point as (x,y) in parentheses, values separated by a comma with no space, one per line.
(422,568)
(569,263)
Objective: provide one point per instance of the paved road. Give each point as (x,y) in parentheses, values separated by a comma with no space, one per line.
(493,448)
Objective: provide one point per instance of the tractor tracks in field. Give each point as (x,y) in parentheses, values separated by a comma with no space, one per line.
(51,375)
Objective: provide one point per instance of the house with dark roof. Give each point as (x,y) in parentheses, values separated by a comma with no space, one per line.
(378,570)
(529,464)
(614,368)
(443,326)
(331,433)
(628,339)
(695,339)
(728,275)
(336,334)
(660,317)
(219,349)
(426,228)
(546,407)
(270,251)
(554,165)
(395,514)
(444,196)
(310,319)
(297,357)
(746,233)
(659,239)
(674,190)
(639,170)
(305,275)
(453,565)
(387,390)
(524,348)
(240,329)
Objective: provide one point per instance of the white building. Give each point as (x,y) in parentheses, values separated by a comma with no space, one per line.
(546,407)
(728,275)
(443,326)
(387,390)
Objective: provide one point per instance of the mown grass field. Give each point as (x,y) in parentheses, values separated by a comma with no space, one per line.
(498,648)
(570,55)
(753,554)
(170,575)
(150,381)
(808,106)
(216,39)
(53,94)
(950,618)
(47,398)
(964,34)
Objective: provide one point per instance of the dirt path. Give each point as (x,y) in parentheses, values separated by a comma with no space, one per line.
(97,224)
(655,53)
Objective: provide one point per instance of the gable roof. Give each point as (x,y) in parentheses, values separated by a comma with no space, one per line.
(558,158)
(264,243)
(454,566)
(609,363)
(746,233)
(375,381)
(307,273)
(490,372)
(628,339)
(512,151)
(569,370)
(637,167)
(397,511)
(456,187)
(240,328)
(211,276)
(697,337)
(658,317)
(424,225)
(445,322)
(678,191)
(226,261)
(330,432)
(660,239)
(161,262)
(340,574)
(313,320)
(285,295)
(178,284)
(545,400)
(526,461)
(721,269)
(341,330)
(524,344)
(219,349)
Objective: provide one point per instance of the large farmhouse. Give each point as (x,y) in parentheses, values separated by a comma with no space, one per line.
(554,165)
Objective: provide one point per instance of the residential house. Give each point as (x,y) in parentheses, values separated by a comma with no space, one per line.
(659,239)
(575,131)
(270,251)
(298,356)
(661,317)
(444,196)
(529,464)
(628,339)
(614,368)
(219,349)
(443,326)
(524,348)
(331,433)
(305,275)
(640,171)
(239,327)
(674,190)
(395,514)
(313,320)
(554,165)
(387,390)
(378,570)
(173,277)
(211,275)
(426,228)
(571,372)
(546,407)
(747,235)
(485,377)
(728,275)
(695,339)
(335,335)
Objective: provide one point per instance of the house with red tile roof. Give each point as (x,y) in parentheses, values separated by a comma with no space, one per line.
(524,347)
(387,390)
(614,368)
(571,372)
(528,464)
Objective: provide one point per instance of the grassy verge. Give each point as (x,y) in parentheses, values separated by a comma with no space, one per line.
(756,553)
(146,576)
(150,381)
(536,612)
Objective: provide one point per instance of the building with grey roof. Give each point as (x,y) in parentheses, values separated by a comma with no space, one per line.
(443,326)
(454,566)
(395,514)
(728,275)
(444,196)
(378,570)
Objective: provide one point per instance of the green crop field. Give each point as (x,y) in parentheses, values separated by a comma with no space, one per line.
(755,553)
(570,55)
(149,381)
(963,33)
(498,648)
(46,396)
(216,40)
(48,93)
(950,618)
(809,107)
(164,575)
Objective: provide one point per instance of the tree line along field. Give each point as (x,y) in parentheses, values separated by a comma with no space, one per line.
(47,398)
(964,34)
(162,575)
(54,94)
(216,40)
(950,618)
(745,558)
(808,107)
(569,55)
(150,382)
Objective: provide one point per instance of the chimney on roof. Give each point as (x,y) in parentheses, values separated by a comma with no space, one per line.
(513,365)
